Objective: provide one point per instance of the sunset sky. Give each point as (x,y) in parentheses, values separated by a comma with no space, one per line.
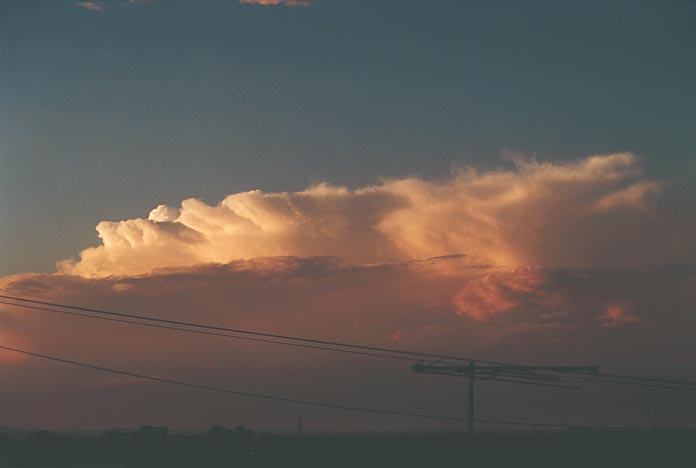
(505,180)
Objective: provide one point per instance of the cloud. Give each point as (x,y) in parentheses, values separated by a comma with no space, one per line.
(635,196)
(101,7)
(91,6)
(290,3)
(502,294)
(547,314)
(445,304)
(618,314)
(580,213)
(538,261)
(510,290)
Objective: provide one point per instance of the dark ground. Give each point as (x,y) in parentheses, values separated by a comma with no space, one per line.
(220,447)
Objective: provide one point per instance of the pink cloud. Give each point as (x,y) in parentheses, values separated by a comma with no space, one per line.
(618,314)
(510,290)
(546,314)
(634,196)
(277,2)
(535,214)
(91,6)
(507,264)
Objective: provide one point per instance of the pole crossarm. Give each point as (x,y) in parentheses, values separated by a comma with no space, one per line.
(424,366)
(543,375)
(547,376)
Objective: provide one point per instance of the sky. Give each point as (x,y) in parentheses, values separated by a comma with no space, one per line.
(511,180)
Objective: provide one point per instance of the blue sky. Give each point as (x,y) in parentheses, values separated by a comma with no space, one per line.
(104,115)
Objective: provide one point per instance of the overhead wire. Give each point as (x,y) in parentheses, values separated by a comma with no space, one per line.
(210,333)
(301,342)
(270,397)
(250,332)
(634,383)
(648,379)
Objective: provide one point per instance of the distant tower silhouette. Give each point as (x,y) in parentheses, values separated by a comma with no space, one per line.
(299,426)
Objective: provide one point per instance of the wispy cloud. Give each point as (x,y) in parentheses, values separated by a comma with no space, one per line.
(636,196)
(291,3)
(101,7)
(91,6)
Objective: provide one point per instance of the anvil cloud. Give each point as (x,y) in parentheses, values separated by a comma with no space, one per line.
(572,260)
(580,213)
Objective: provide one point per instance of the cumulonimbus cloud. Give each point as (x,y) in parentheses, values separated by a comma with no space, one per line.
(579,213)
(628,319)
(560,262)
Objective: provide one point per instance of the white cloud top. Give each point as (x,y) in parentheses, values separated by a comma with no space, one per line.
(550,214)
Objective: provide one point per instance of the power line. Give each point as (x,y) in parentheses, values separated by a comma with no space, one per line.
(647,379)
(270,397)
(628,380)
(210,333)
(635,382)
(323,345)
(262,340)
(249,332)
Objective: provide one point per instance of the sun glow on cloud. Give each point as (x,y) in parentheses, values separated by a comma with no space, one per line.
(550,214)
(535,260)
(618,314)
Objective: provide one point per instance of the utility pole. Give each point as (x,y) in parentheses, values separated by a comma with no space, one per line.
(546,376)
(472,377)
(299,426)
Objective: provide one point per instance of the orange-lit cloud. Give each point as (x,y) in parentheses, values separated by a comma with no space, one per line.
(91,6)
(450,305)
(444,303)
(618,314)
(509,290)
(549,214)
(535,262)
(277,2)
(634,196)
